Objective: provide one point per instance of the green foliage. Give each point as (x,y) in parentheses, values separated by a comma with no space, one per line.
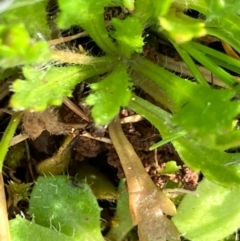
(217,207)
(122,216)
(196,156)
(30,13)
(110,94)
(182,28)
(88,15)
(45,82)
(101,186)
(67,206)
(202,124)
(210,116)
(170,168)
(16,47)
(128,35)
(23,230)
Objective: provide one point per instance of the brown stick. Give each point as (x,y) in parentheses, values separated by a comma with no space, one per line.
(4,224)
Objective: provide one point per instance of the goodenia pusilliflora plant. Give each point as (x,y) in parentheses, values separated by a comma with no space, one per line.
(206,116)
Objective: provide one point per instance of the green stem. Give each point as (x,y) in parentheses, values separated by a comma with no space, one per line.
(96,28)
(208,63)
(191,65)
(7,136)
(219,58)
(164,81)
(169,139)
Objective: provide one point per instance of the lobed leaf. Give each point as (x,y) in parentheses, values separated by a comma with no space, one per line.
(128,34)
(109,95)
(44,88)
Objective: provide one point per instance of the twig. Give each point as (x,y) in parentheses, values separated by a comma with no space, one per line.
(180,67)
(74,108)
(4,224)
(75,58)
(103,139)
(131,119)
(19,138)
(66,39)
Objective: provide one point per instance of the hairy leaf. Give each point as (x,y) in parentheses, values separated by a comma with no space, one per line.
(62,204)
(23,230)
(43,88)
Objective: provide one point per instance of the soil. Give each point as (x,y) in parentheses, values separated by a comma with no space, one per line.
(140,134)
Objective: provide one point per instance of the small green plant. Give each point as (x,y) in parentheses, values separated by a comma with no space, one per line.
(201,121)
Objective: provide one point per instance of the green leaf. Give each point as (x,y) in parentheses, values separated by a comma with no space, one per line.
(167,88)
(128,34)
(170,168)
(210,115)
(222,21)
(32,14)
(143,11)
(43,88)
(129,4)
(147,10)
(196,52)
(202,215)
(24,230)
(122,216)
(182,28)
(218,9)
(101,186)
(16,47)
(109,95)
(60,203)
(88,15)
(210,112)
(219,58)
(161,7)
(195,156)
